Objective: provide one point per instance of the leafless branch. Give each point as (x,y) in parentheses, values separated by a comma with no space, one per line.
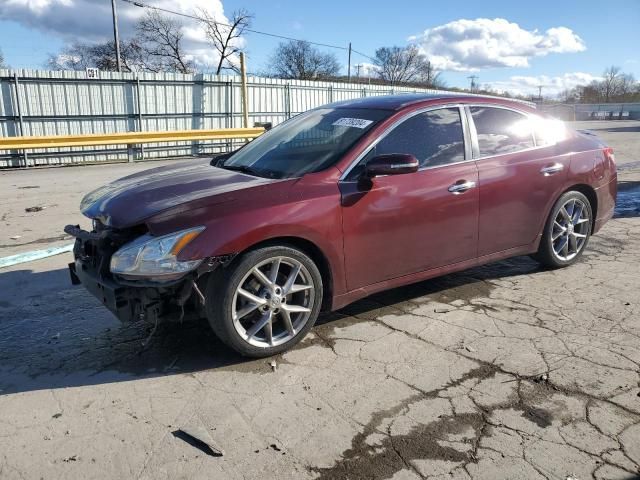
(225,37)
(160,39)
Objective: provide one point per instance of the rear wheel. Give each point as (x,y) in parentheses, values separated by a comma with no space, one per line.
(266,302)
(566,232)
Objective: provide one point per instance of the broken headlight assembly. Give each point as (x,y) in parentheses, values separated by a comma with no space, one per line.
(155,258)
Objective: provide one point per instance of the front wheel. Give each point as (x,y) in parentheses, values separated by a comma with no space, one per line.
(266,302)
(566,232)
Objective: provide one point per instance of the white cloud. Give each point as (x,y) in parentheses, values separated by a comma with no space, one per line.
(551,86)
(90,20)
(470,45)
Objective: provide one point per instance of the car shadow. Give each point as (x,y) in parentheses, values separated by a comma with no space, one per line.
(54,335)
(628,201)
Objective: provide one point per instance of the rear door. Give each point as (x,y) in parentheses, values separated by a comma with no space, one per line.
(396,225)
(517,178)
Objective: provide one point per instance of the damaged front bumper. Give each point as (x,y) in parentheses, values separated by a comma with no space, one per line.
(131,300)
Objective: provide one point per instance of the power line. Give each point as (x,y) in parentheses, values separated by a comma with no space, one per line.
(363,54)
(258,32)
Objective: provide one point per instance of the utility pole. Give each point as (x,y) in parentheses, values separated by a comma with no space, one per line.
(349,68)
(245,95)
(473,84)
(116,36)
(358,67)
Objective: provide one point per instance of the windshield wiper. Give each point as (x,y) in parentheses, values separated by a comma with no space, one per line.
(242,169)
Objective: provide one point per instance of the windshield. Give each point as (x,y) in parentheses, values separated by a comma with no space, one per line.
(309,142)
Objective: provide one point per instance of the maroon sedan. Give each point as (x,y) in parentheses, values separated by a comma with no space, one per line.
(338,203)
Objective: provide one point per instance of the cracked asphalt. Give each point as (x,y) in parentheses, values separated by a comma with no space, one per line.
(506,371)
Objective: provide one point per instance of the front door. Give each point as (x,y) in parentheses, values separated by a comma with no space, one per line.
(401,224)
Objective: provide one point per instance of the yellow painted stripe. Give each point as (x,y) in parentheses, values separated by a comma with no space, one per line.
(125,138)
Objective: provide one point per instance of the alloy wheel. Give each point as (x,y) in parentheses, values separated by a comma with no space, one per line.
(273,302)
(570,229)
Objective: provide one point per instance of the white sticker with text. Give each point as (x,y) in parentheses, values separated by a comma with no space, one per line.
(353,122)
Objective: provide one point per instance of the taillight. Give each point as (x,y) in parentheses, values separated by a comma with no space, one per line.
(609,155)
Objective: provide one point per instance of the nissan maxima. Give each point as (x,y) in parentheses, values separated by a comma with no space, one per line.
(337,203)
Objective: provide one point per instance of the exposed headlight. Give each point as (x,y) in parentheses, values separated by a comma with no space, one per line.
(149,256)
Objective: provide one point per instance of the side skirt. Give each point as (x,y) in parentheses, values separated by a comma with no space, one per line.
(345,299)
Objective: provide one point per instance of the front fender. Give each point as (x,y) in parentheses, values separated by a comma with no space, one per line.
(309,212)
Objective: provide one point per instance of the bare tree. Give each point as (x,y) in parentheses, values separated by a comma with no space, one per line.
(610,81)
(225,37)
(79,56)
(2,64)
(569,95)
(615,86)
(428,75)
(299,59)
(160,40)
(403,64)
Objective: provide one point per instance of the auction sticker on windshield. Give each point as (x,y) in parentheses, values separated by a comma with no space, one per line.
(353,122)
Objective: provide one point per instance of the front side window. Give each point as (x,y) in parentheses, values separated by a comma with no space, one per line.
(307,143)
(434,137)
(501,131)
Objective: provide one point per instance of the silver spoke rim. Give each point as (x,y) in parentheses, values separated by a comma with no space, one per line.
(287,322)
(275,268)
(260,324)
(251,297)
(570,229)
(273,302)
(261,277)
(295,308)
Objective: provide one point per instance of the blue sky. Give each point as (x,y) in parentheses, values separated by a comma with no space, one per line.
(585,36)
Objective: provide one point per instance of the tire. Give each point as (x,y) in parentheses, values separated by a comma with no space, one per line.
(249,313)
(562,244)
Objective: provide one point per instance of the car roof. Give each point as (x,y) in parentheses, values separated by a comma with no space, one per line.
(398,102)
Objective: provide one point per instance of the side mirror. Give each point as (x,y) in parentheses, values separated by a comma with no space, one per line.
(391,164)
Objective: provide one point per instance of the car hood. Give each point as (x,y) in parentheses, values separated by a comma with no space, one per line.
(130,200)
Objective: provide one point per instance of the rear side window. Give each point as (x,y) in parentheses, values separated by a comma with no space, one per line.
(548,131)
(501,131)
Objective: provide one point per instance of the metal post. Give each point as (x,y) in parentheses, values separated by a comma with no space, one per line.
(139,114)
(287,100)
(232,110)
(229,110)
(245,99)
(116,36)
(19,107)
(349,67)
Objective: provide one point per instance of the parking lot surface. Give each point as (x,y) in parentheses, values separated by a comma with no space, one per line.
(503,371)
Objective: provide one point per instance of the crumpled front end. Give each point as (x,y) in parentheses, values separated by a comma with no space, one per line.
(131,300)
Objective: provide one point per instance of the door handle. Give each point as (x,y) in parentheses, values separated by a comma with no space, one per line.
(458,188)
(551,169)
